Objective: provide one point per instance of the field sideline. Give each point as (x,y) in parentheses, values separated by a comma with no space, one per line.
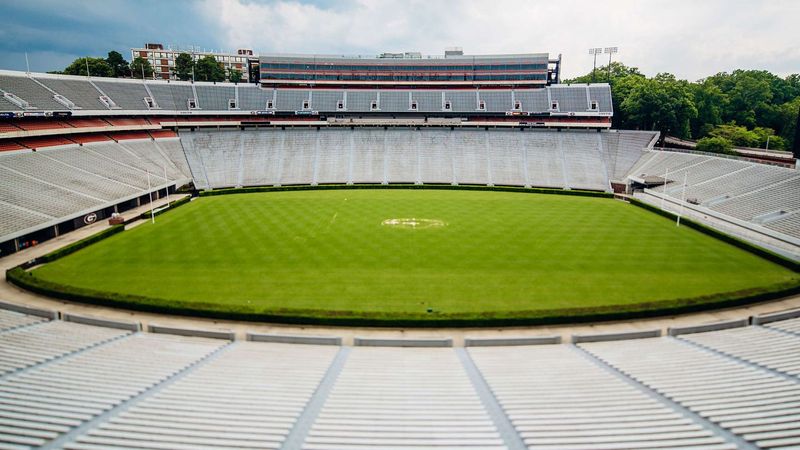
(328,253)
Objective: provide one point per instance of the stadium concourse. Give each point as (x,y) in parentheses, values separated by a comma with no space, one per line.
(75,150)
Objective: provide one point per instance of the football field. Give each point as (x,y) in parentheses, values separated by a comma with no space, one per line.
(412,254)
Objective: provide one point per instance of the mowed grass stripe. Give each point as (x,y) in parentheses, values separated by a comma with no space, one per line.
(327,250)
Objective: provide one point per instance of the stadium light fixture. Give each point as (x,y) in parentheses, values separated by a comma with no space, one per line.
(594,52)
(610,51)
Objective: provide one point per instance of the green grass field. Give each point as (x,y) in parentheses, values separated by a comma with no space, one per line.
(327,253)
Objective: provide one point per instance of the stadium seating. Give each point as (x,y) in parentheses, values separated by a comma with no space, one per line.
(253,98)
(39,91)
(214,97)
(570,99)
(88,138)
(46,141)
(8,127)
(37,96)
(47,402)
(578,160)
(171,96)
(776,351)
(31,345)
(738,395)
(55,184)
(78,91)
(10,145)
(12,319)
(85,387)
(86,122)
(35,124)
(123,121)
(126,94)
(402,398)
(558,399)
(247,397)
(763,195)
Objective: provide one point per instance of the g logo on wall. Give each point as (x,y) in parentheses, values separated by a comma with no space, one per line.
(90,218)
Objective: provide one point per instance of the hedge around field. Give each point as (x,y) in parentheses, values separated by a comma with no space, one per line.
(26,280)
(75,246)
(460,187)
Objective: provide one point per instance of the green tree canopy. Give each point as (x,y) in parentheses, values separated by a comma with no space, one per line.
(710,102)
(751,99)
(768,139)
(139,66)
(184,66)
(234,75)
(119,67)
(787,114)
(714,145)
(98,67)
(661,103)
(208,69)
(737,135)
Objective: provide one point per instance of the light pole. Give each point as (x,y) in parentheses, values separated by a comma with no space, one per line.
(594,52)
(610,51)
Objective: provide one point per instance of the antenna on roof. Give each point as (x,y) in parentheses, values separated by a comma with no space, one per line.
(27,65)
(86,60)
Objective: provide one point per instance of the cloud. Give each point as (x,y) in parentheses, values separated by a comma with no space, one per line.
(51,31)
(689,38)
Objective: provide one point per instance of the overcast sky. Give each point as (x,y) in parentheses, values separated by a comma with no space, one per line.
(691,39)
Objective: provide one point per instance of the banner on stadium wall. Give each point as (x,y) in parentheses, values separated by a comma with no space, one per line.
(88,219)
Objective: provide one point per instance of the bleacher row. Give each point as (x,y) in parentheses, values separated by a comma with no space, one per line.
(62,93)
(576,160)
(763,195)
(84,387)
(56,183)
(51,140)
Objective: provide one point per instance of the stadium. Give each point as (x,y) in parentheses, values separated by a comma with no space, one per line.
(396,251)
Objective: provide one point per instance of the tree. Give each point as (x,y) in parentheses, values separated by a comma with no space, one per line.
(184,66)
(714,145)
(754,100)
(736,135)
(140,65)
(788,118)
(234,75)
(710,102)
(98,67)
(749,93)
(661,103)
(767,135)
(208,69)
(119,67)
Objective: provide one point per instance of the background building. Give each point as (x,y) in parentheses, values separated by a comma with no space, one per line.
(410,69)
(163,60)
